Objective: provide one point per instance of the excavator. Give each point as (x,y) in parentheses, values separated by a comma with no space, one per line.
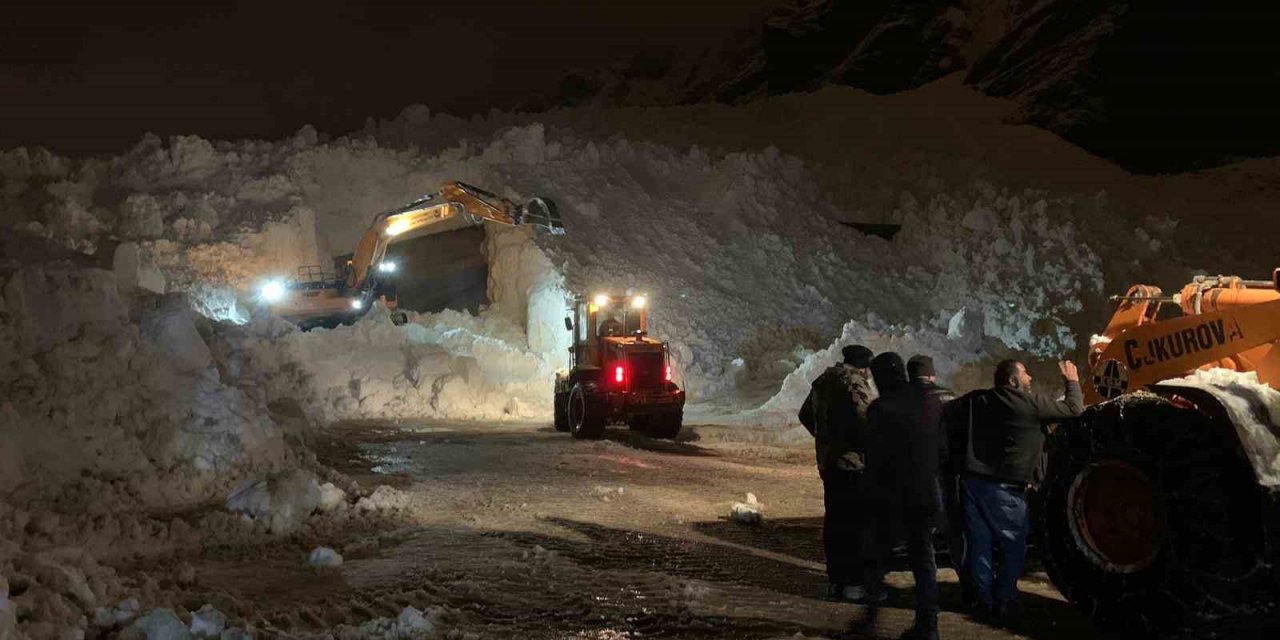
(1159,511)
(317,297)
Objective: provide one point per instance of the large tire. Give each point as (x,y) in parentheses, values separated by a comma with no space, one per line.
(586,421)
(560,411)
(1150,518)
(665,426)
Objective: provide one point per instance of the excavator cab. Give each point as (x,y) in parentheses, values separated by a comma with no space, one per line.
(618,372)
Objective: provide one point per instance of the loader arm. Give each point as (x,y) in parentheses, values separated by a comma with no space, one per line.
(455,205)
(1227,322)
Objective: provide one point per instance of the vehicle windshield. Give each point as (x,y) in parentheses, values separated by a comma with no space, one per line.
(616,321)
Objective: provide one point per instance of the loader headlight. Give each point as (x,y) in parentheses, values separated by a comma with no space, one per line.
(638,302)
(272,291)
(387,266)
(357,304)
(602,300)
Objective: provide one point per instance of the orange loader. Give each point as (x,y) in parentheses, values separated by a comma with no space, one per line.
(1160,509)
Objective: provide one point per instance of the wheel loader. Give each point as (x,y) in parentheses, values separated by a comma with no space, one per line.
(619,374)
(1159,512)
(319,297)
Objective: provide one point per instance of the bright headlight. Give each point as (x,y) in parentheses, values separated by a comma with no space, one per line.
(397,226)
(272,291)
(387,266)
(638,302)
(357,304)
(602,300)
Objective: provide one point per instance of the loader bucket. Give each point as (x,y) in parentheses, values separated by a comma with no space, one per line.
(542,212)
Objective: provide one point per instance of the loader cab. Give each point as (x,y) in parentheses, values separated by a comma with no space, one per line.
(603,322)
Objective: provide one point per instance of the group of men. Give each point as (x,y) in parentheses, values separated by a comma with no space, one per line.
(901,456)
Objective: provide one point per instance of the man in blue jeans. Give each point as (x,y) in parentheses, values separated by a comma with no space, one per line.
(1003,430)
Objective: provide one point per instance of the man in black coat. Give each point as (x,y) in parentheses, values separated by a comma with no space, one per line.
(923,376)
(905,452)
(835,413)
(1001,432)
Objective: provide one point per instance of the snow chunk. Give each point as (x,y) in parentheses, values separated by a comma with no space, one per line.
(325,558)
(748,512)
(383,498)
(135,272)
(208,622)
(283,500)
(410,624)
(121,613)
(331,497)
(159,624)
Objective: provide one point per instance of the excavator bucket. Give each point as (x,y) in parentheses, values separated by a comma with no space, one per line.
(543,213)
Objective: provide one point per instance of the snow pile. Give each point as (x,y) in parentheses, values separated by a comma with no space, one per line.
(121,387)
(1254,408)
(742,253)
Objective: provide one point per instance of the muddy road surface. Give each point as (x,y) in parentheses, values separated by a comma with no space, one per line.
(522,532)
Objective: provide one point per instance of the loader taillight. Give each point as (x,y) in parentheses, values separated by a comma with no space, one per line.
(619,374)
(668,376)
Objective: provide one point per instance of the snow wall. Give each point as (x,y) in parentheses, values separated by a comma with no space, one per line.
(753,278)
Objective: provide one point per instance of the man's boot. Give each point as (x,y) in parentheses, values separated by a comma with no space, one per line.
(925,628)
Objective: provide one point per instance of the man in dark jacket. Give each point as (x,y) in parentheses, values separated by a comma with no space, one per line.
(1002,434)
(905,453)
(835,413)
(923,375)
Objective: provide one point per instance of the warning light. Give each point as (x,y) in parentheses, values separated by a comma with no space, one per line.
(618,374)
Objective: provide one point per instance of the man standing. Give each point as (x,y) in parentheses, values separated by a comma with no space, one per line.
(835,413)
(923,376)
(1004,435)
(905,453)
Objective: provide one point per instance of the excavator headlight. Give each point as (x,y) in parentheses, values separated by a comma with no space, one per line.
(638,302)
(602,300)
(397,226)
(272,291)
(387,266)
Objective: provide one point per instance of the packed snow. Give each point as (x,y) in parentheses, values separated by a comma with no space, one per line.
(1254,408)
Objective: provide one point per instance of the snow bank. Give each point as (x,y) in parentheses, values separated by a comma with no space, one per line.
(742,253)
(93,383)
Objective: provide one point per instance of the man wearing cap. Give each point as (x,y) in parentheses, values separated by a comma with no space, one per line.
(905,453)
(835,413)
(923,376)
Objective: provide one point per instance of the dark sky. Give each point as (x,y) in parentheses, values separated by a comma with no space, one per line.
(92,77)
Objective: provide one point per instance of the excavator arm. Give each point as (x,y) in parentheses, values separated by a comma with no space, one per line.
(455,205)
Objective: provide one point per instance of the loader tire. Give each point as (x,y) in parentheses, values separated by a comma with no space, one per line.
(560,411)
(1149,518)
(665,426)
(586,421)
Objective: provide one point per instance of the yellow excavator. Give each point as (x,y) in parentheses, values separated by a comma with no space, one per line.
(318,297)
(1159,512)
